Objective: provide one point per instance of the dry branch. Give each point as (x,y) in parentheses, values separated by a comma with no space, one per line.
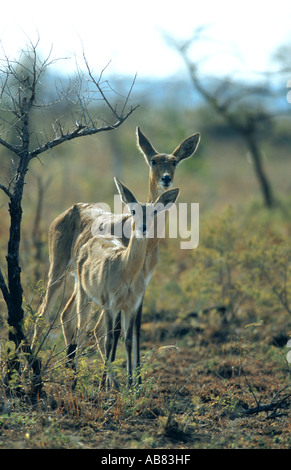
(228,99)
(21,84)
(276,403)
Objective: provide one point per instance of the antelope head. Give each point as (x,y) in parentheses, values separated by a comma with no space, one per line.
(162,165)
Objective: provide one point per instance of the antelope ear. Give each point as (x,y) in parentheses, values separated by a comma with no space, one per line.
(187,147)
(168,197)
(125,194)
(145,146)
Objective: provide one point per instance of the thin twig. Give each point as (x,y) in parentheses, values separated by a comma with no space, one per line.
(10,147)
(128,94)
(99,87)
(4,288)
(6,191)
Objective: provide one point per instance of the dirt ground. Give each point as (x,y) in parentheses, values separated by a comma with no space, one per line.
(224,389)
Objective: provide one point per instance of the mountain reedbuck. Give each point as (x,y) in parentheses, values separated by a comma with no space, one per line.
(71,229)
(111,275)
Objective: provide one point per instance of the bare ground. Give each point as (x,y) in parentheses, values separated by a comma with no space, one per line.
(202,389)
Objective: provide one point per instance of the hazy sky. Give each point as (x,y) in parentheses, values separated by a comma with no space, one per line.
(130,33)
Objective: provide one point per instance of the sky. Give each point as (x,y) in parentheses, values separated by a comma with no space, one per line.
(240,36)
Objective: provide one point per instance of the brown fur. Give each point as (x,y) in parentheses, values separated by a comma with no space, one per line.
(111,275)
(72,230)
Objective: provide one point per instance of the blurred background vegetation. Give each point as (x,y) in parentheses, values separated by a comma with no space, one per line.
(243,258)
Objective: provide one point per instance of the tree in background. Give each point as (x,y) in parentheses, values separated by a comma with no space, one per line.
(25,134)
(244,107)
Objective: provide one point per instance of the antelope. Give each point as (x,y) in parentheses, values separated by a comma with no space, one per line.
(161,175)
(72,229)
(111,275)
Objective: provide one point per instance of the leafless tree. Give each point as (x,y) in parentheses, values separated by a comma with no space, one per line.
(23,100)
(241,105)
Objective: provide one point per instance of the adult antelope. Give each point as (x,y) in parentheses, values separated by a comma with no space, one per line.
(162,169)
(72,229)
(111,275)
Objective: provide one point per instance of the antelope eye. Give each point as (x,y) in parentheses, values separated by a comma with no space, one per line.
(133,211)
(175,163)
(153,162)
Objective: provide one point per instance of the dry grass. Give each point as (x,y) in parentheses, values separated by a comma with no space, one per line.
(203,387)
(210,380)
